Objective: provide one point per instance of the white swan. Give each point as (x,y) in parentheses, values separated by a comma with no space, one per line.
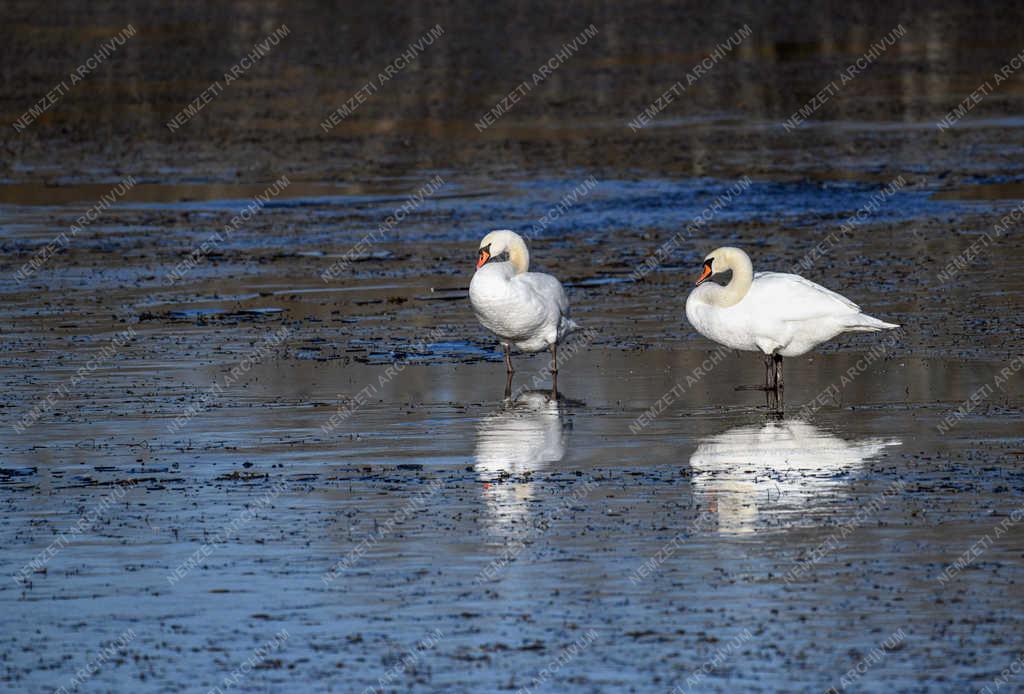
(775,313)
(527,309)
(779,468)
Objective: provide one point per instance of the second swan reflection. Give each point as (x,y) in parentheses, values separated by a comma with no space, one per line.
(526,436)
(756,474)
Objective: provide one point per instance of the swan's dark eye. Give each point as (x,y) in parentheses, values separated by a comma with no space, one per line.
(707,263)
(484,256)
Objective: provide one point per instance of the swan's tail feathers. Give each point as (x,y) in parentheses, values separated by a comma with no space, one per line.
(863,323)
(568,326)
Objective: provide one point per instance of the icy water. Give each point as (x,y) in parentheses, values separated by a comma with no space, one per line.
(267,449)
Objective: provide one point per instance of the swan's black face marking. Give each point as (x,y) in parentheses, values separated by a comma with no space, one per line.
(484,256)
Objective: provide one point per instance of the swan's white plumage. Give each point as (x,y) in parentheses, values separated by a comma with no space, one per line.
(814,299)
(771,312)
(527,309)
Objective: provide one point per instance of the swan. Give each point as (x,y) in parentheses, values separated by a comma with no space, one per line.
(775,313)
(776,471)
(527,309)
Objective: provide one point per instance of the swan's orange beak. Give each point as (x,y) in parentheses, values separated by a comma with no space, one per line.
(482,258)
(704,275)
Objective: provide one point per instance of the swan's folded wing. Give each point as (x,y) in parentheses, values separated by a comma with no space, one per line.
(791,297)
(546,289)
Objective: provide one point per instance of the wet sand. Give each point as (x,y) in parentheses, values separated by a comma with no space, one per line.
(359,481)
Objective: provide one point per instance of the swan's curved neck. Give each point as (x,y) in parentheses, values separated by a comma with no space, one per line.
(519,255)
(732,293)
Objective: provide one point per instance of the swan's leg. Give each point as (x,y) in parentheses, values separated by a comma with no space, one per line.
(508,359)
(768,383)
(778,382)
(781,388)
(554,370)
(508,370)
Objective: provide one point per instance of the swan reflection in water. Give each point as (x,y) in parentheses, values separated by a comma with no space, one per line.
(778,468)
(526,436)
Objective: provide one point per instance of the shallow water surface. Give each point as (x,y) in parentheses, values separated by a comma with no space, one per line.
(363,485)
(512,529)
